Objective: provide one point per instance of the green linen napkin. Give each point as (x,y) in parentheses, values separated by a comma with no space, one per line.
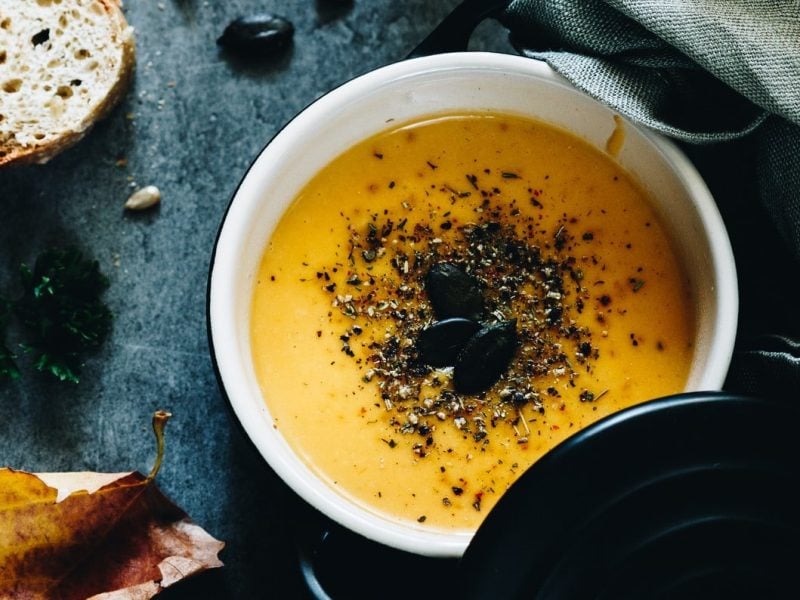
(723,78)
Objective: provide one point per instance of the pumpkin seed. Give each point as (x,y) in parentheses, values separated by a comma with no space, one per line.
(439,344)
(485,357)
(144,198)
(453,293)
(262,34)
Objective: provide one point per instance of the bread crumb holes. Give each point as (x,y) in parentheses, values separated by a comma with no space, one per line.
(12,86)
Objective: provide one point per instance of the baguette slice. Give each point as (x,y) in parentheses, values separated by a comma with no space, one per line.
(64,64)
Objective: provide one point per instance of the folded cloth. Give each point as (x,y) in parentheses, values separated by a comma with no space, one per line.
(723,78)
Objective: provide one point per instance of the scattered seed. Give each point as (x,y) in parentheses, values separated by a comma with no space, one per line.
(258,35)
(453,293)
(144,198)
(440,343)
(485,357)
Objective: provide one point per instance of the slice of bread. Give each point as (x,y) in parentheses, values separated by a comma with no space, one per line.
(63,65)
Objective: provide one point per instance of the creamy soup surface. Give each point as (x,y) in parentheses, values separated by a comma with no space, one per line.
(563,246)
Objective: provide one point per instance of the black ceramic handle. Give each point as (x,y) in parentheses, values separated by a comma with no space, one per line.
(453,33)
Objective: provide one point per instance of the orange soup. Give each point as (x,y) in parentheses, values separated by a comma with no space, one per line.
(568,300)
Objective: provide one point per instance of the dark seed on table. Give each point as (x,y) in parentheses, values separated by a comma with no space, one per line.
(439,344)
(260,34)
(453,293)
(485,357)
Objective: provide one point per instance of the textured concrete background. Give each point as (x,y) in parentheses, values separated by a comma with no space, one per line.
(199,118)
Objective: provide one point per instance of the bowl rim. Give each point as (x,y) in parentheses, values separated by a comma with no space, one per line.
(312,489)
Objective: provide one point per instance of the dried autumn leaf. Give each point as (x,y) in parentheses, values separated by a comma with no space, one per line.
(109,536)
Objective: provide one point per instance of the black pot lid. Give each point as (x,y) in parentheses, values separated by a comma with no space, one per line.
(692,496)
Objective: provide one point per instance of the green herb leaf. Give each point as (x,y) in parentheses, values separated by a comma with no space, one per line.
(8,368)
(636,283)
(62,310)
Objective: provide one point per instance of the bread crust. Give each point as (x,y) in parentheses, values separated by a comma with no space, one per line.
(17,155)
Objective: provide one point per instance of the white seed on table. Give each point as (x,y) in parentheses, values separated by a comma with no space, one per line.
(144,198)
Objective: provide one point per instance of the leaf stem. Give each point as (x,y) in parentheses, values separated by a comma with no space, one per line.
(160,418)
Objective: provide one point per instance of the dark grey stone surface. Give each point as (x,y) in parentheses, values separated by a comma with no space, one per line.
(190,125)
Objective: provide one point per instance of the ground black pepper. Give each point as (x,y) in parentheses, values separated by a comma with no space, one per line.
(523,273)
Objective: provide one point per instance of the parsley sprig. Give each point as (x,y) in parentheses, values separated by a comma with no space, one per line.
(61,311)
(8,368)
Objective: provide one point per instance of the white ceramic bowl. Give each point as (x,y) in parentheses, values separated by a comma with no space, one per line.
(471,82)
